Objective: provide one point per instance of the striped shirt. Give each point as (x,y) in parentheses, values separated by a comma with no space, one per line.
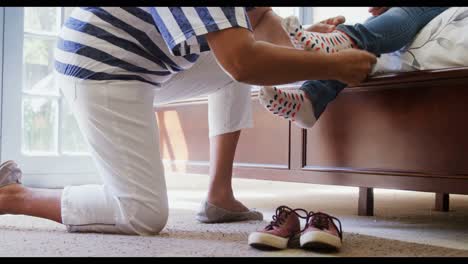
(147,44)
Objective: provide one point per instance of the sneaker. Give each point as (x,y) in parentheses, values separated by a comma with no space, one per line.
(276,235)
(9,173)
(321,232)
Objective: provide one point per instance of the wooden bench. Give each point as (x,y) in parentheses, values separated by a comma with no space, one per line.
(403,131)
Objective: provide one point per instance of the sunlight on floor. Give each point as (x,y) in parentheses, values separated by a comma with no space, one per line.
(402,215)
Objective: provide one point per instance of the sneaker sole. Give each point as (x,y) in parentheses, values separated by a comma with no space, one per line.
(261,240)
(319,240)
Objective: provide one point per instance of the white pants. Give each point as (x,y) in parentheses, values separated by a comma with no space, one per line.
(118,121)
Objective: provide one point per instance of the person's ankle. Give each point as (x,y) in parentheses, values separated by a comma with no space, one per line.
(220,197)
(9,196)
(306,95)
(228,202)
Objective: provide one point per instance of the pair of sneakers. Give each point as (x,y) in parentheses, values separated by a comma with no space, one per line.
(319,232)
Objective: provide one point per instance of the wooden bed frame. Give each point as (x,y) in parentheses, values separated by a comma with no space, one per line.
(403,131)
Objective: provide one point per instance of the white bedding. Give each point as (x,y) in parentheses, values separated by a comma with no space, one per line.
(442,43)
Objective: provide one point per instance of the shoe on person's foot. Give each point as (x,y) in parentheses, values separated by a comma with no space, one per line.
(276,235)
(321,232)
(9,173)
(290,104)
(210,213)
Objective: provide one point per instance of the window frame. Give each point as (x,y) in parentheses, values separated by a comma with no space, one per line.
(2,21)
(49,170)
(46,170)
(52,170)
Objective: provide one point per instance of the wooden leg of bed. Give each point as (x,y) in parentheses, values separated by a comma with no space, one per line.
(366,201)
(442,202)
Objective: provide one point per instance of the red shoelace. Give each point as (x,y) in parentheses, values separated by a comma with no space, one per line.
(281,215)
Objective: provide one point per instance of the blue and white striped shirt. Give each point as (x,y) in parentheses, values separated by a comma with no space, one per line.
(147,44)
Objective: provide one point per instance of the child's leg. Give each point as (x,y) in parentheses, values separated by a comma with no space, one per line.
(303,107)
(321,93)
(386,33)
(392,30)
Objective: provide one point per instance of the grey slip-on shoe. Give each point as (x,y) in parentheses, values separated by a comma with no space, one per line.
(210,213)
(9,173)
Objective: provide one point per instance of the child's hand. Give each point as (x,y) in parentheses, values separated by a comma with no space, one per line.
(327,25)
(376,11)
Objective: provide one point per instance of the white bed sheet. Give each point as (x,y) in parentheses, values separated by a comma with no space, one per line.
(442,43)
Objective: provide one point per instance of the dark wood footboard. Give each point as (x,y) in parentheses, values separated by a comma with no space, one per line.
(398,131)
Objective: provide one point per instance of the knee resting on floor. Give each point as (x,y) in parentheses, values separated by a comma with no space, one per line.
(142,217)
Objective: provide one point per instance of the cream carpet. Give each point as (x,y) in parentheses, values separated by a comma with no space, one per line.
(404,225)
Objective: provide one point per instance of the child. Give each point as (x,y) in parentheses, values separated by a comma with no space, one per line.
(385,33)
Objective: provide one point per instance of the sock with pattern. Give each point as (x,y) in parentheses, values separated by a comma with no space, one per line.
(320,42)
(290,104)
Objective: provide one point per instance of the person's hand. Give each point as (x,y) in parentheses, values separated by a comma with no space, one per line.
(377,11)
(327,25)
(353,65)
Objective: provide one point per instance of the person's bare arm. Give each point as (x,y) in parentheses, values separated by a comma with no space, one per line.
(261,63)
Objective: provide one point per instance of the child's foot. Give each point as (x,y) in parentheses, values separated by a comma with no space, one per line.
(292,105)
(288,24)
(319,42)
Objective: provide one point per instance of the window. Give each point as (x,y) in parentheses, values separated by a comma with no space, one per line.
(303,13)
(48,127)
(309,15)
(38,129)
(287,11)
(352,14)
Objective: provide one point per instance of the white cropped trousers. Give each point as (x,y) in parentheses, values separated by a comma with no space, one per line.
(118,121)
